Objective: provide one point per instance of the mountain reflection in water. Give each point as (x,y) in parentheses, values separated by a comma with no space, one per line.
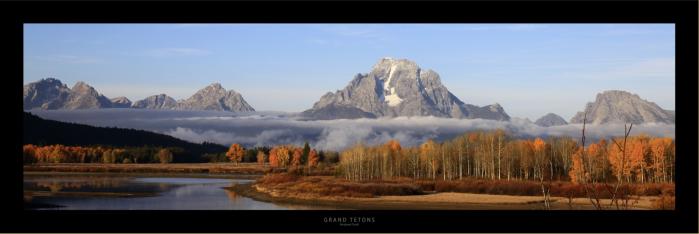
(80,192)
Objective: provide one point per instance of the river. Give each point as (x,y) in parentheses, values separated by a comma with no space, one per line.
(141,192)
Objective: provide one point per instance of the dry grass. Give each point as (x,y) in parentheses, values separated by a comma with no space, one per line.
(330,186)
(463,193)
(460,192)
(465,198)
(560,189)
(666,201)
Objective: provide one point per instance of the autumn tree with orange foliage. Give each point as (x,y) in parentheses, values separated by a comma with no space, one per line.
(296,158)
(394,159)
(428,151)
(273,160)
(86,154)
(279,156)
(235,153)
(165,156)
(261,157)
(313,159)
(577,171)
(659,148)
(487,154)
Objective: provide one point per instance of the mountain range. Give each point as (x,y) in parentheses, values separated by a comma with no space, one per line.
(393,87)
(398,87)
(52,94)
(616,106)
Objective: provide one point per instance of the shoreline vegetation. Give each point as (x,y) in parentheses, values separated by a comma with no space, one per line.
(408,194)
(339,193)
(491,169)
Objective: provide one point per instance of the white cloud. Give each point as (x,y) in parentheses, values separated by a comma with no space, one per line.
(258,129)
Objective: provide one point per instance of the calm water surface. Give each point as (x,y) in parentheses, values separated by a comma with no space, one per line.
(101,192)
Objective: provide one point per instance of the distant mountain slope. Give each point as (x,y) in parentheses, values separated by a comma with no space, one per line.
(215,97)
(42,132)
(45,94)
(121,102)
(616,106)
(550,119)
(52,94)
(160,101)
(84,96)
(398,87)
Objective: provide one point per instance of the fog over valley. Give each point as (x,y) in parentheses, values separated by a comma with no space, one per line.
(273,128)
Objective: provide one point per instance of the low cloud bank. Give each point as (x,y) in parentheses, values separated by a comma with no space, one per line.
(272,128)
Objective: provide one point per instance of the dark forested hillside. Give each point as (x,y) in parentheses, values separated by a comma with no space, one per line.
(40,131)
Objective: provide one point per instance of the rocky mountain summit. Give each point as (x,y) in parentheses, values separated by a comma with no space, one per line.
(52,94)
(120,102)
(616,106)
(398,87)
(550,119)
(215,97)
(48,93)
(160,101)
(84,96)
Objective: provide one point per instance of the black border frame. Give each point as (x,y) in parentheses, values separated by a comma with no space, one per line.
(683,13)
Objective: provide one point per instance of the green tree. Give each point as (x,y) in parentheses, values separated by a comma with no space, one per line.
(306,151)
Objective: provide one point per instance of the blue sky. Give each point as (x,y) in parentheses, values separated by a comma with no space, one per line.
(530,69)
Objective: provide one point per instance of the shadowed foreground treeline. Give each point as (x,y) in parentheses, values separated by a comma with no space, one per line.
(38,131)
(98,154)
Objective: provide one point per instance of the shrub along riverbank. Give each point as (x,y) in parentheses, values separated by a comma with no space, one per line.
(285,185)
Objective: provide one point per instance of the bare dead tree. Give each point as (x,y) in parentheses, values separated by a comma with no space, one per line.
(620,180)
(546,187)
(596,202)
(544,190)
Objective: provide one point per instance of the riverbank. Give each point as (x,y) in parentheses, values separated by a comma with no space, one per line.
(331,192)
(436,201)
(188,168)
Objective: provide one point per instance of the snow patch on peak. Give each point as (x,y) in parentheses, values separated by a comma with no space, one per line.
(392,98)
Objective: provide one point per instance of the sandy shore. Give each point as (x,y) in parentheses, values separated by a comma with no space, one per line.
(469,198)
(439,201)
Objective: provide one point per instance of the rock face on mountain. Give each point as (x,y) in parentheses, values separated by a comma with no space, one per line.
(160,101)
(215,98)
(550,119)
(83,96)
(51,94)
(615,106)
(121,102)
(48,93)
(398,87)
